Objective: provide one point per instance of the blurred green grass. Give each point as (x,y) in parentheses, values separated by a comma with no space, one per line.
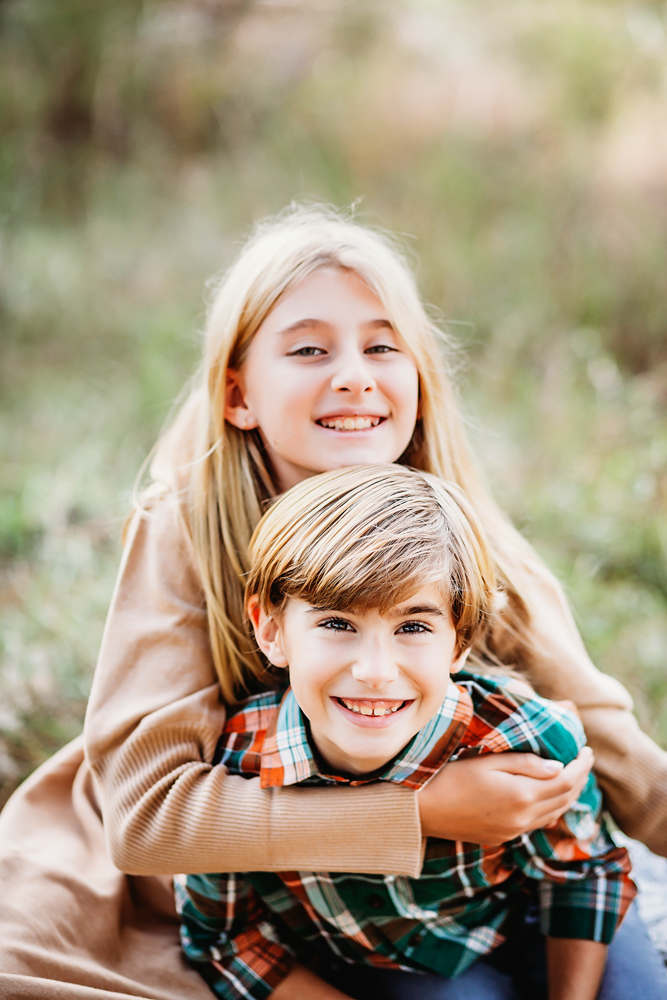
(523,145)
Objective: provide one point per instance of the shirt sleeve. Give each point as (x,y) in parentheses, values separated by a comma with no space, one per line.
(584,883)
(228,935)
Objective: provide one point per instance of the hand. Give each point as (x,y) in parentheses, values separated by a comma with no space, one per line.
(496,797)
(302,984)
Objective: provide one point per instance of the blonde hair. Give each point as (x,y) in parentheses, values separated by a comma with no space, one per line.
(223,473)
(370,537)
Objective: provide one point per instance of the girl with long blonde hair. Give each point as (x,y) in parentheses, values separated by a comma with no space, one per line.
(318,354)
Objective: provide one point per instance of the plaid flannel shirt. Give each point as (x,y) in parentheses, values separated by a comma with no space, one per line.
(244,931)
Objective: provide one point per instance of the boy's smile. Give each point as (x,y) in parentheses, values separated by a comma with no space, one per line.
(373,712)
(366,682)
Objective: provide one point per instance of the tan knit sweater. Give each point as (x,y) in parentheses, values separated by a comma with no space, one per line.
(155,715)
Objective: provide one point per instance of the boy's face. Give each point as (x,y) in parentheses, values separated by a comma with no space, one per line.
(366,682)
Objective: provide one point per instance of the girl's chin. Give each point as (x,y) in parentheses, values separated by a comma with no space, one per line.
(356,453)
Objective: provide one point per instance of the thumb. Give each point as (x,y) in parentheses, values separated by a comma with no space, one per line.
(527,764)
(532,766)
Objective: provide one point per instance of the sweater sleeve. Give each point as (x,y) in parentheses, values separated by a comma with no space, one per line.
(630,768)
(153,721)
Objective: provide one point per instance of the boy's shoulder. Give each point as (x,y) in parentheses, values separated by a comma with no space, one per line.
(256,712)
(509,715)
(240,745)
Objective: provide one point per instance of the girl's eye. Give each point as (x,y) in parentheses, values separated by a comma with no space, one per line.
(412,628)
(337,625)
(380,349)
(306,352)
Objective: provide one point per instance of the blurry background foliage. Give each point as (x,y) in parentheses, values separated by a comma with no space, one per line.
(524,147)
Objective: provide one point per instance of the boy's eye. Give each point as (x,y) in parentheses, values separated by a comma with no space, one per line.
(412,627)
(306,352)
(337,625)
(380,349)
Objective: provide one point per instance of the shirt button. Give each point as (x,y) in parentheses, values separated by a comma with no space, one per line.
(375,901)
(417,940)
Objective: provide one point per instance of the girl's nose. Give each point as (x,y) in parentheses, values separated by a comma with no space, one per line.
(352,375)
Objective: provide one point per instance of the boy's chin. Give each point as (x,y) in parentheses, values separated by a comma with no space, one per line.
(371,754)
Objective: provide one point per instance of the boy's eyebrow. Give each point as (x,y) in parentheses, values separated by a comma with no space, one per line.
(417,609)
(413,609)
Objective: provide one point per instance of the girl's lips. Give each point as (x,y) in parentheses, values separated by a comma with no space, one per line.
(350,423)
(372,721)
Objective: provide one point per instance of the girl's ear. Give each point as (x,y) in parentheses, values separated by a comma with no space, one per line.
(268,633)
(236,410)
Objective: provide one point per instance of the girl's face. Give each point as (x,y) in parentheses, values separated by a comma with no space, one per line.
(326,380)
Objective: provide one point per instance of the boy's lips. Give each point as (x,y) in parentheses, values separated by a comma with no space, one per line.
(373,713)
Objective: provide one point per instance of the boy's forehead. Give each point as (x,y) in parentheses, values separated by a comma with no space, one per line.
(428,600)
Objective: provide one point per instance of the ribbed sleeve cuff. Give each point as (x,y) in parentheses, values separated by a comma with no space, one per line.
(373,828)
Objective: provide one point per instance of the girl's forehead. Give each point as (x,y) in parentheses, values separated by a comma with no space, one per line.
(325,295)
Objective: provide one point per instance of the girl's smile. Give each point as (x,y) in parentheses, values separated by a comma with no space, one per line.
(327,380)
(351,422)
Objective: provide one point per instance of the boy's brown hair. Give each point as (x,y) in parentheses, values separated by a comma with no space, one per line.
(369,537)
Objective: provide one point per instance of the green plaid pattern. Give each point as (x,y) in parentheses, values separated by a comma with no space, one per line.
(244,931)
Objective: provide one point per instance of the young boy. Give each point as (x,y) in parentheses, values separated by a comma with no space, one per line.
(371,585)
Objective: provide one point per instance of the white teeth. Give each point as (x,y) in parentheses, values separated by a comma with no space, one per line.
(353,706)
(351,423)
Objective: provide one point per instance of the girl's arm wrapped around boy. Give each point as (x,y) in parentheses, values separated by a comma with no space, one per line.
(153,722)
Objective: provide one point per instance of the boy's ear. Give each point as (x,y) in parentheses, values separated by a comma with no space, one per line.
(459,662)
(236,409)
(268,633)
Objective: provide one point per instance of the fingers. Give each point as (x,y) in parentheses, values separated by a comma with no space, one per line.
(551,815)
(531,766)
(526,764)
(575,776)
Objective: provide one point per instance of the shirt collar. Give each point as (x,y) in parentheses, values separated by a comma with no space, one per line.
(287,757)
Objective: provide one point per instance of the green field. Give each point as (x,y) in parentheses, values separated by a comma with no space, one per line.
(522,149)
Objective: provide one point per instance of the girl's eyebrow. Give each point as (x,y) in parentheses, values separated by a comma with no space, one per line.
(306,324)
(380,324)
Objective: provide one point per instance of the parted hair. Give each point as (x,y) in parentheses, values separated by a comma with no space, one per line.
(223,475)
(369,537)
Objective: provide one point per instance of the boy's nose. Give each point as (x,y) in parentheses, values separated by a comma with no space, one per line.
(374,669)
